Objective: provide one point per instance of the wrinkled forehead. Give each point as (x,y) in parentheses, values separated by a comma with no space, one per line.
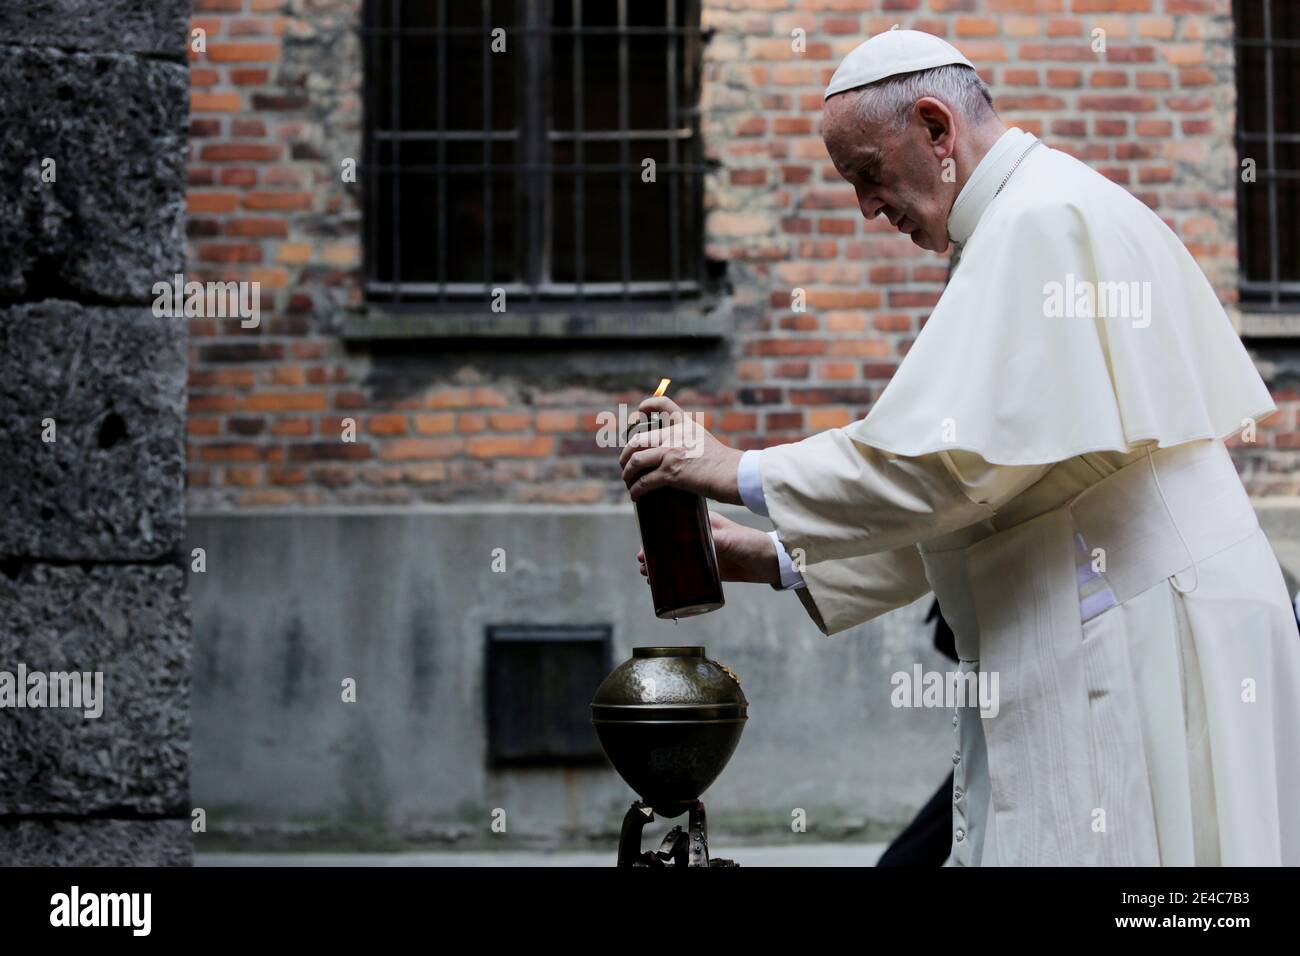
(850,140)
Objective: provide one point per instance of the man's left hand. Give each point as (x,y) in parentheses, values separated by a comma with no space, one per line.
(679,455)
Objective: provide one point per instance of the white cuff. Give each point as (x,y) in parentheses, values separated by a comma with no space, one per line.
(749,478)
(790,576)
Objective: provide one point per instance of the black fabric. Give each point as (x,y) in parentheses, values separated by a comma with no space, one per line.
(928,838)
(944,641)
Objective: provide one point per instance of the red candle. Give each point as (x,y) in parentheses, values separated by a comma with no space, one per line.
(678,543)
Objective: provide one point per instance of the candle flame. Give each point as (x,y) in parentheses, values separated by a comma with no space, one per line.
(663,387)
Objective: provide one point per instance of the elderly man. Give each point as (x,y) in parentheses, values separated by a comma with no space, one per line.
(1049,460)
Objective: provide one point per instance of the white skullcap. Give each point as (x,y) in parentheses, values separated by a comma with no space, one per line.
(891,53)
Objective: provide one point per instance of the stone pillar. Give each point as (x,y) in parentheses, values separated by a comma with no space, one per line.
(94,114)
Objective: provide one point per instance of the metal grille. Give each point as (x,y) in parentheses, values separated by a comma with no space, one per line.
(522,168)
(1268,132)
(540,681)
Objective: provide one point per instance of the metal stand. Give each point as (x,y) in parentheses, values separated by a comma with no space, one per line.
(678,848)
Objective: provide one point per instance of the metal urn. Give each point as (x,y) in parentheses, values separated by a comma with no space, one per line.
(669,719)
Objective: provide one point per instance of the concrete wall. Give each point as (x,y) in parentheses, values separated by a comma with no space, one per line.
(292,603)
(93,108)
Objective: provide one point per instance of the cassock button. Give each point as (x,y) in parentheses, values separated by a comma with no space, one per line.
(956,757)
(961,834)
(956,794)
(954,720)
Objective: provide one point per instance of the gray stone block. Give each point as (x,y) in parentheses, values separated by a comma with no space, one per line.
(98,26)
(110,225)
(130,622)
(95,843)
(111,485)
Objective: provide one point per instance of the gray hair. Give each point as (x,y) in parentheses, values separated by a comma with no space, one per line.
(890,100)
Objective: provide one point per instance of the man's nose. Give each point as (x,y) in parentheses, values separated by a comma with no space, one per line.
(870,206)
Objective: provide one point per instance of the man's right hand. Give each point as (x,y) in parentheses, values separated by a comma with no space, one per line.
(744,554)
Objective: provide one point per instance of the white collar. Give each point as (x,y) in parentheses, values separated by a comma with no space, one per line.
(983,183)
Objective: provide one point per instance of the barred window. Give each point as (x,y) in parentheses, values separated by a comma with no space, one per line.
(549,148)
(1268,145)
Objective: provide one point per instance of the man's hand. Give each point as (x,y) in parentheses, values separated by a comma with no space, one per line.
(682,455)
(744,554)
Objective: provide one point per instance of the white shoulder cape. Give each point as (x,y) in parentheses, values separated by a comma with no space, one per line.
(1012,365)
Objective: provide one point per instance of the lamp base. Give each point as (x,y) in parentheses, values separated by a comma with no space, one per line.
(679,847)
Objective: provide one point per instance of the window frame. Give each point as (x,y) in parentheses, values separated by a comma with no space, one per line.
(1277,313)
(537,306)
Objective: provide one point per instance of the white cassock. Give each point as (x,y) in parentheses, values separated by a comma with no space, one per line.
(1060,482)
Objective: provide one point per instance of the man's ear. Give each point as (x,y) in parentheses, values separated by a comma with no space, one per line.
(939,125)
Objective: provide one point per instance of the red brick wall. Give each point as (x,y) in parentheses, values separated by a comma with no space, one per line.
(276,108)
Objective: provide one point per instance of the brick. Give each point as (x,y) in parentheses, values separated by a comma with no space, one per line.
(238,176)
(257,227)
(878,370)
(230,252)
(291,427)
(421,448)
(230,451)
(1111,6)
(976,27)
(201,102)
(505,447)
(1020,78)
(225,52)
(439,424)
(506,422)
(285,402)
(293,253)
(335,450)
(212,403)
(1118,104)
(278,200)
(256,26)
(471,423)
(846,321)
(1160,128)
(197,203)
(240,152)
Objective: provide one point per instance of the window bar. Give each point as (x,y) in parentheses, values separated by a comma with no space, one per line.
(625,210)
(579,172)
(442,149)
(546,30)
(395,49)
(369,150)
(1274,275)
(695,180)
(488,223)
(533,142)
(670,42)
(545,121)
